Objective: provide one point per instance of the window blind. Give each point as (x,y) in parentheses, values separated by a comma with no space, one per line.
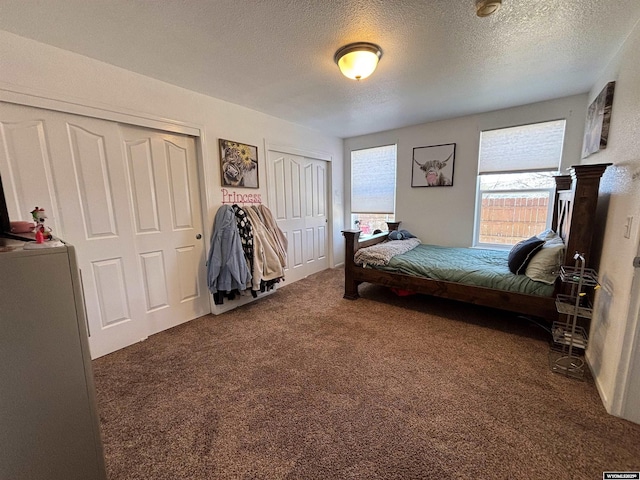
(532,147)
(373,180)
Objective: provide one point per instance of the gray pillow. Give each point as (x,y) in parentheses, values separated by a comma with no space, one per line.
(400,235)
(522,253)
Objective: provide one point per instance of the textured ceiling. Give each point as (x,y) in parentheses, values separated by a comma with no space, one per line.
(276,56)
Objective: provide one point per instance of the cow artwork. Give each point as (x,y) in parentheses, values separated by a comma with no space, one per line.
(239,163)
(433,166)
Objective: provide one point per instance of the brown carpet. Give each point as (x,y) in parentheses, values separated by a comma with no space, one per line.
(304,384)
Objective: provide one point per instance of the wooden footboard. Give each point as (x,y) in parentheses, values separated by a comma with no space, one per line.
(351,270)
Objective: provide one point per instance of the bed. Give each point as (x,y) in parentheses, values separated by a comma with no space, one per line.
(574,219)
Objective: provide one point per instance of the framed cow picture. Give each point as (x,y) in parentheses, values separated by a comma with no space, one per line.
(239,164)
(433,166)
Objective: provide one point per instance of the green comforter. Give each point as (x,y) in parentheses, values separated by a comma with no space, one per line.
(470,266)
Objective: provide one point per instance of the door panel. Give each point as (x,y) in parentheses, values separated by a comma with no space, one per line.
(296,250)
(322,245)
(293,184)
(278,181)
(111,288)
(178,166)
(26,168)
(187,260)
(308,190)
(321,189)
(155,285)
(143,191)
(309,256)
(88,154)
(297,190)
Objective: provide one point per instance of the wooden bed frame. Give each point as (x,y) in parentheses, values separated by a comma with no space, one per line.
(574,211)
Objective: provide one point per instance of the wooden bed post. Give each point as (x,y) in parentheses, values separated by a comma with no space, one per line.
(350,284)
(393,226)
(586,180)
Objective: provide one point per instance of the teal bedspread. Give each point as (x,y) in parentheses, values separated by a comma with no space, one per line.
(470,266)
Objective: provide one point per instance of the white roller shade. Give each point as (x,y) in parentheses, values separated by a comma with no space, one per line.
(373,180)
(525,148)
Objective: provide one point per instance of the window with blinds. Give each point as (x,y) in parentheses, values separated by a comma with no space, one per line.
(526,148)
(516,166)
(373,187)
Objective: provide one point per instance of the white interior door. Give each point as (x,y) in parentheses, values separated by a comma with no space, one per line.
(128,201)
(298,199)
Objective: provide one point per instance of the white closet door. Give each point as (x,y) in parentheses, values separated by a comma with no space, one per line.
(105,192)
(298,200)
(88,203)
(316,221)
(165,199)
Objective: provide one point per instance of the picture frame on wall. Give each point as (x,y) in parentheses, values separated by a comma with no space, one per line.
(432,166)
(596,130)
(238,164)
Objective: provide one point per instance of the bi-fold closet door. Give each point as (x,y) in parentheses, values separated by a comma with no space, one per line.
(128,198)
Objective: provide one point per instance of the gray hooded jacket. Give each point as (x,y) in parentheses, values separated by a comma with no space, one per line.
(227,268)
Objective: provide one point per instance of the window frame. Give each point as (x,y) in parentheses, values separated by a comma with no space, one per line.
(390,216)
(478,212)
(480,192)
(354,217)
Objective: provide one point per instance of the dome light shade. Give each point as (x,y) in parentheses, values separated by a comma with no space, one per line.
(358,60)
(484,8)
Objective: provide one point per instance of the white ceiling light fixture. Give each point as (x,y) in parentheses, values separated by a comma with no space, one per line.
(484,8)
(358,60)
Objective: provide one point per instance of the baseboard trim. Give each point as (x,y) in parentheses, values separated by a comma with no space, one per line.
(603,396)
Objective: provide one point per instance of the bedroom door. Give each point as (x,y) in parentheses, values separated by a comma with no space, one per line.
(298,189)
(128,200)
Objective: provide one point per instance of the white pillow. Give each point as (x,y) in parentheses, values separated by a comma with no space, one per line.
(548,234)
(545,265)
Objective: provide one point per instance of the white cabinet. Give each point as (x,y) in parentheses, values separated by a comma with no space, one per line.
(49,426)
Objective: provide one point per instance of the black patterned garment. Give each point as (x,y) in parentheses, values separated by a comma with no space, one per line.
(246,233)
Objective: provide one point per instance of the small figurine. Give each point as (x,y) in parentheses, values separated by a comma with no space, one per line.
(42,233)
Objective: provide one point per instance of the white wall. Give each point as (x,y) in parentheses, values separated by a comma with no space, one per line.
(614,325)
(41,70)
(445,215)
